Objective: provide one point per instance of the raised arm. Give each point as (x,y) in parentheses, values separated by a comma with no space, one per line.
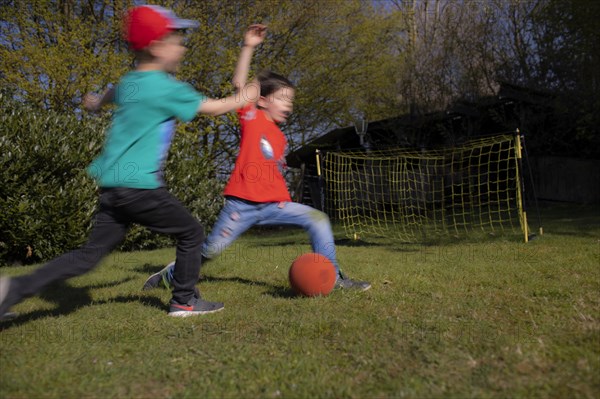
(253,37)
(243,93)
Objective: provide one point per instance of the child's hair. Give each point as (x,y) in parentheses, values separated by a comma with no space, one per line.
(270,82)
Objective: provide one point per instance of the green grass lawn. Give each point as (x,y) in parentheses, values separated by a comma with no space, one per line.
(495,318)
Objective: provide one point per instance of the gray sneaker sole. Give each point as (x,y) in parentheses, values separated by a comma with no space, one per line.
(156,280)
(8,316)
(151,284)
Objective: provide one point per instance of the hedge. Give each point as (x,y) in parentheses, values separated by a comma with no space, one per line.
(47,200)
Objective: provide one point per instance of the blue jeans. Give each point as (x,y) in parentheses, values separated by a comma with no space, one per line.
(238,215)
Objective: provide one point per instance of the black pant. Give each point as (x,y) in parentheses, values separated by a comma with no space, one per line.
(155,209)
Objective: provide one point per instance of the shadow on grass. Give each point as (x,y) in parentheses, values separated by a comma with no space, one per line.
(347,242)
(281,292)
(278,243)
(276,291)
(273,290)
(580,234)
(344,242)
(68,299)
(568,219)
(148,268)
(403,250)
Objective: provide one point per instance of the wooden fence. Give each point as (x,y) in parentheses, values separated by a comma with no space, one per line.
(565,179)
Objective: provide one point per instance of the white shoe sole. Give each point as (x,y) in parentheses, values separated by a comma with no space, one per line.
(187,313)
(4,285)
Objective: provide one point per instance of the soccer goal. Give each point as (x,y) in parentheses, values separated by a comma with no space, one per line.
(411,195)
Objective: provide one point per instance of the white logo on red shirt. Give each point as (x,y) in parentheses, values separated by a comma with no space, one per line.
(266,148)
(250,115)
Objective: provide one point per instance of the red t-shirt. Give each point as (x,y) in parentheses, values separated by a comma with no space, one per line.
(258,172)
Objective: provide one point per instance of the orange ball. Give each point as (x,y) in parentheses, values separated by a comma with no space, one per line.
(312,274)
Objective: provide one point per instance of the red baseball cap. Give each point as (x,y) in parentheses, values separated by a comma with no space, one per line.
(144,24)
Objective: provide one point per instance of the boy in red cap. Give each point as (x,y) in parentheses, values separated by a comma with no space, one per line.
(129,169)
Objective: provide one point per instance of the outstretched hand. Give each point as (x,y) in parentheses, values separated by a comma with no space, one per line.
(91,102)
(255,35)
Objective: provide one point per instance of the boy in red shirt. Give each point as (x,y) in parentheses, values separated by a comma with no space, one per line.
(257,194)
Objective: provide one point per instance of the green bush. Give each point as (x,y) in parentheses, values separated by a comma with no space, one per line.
(47,200)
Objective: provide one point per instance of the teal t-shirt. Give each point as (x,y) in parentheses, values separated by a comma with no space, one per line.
(143,124)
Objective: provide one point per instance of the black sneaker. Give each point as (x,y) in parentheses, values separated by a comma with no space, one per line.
(196,306)
(163,277)
(348,284)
